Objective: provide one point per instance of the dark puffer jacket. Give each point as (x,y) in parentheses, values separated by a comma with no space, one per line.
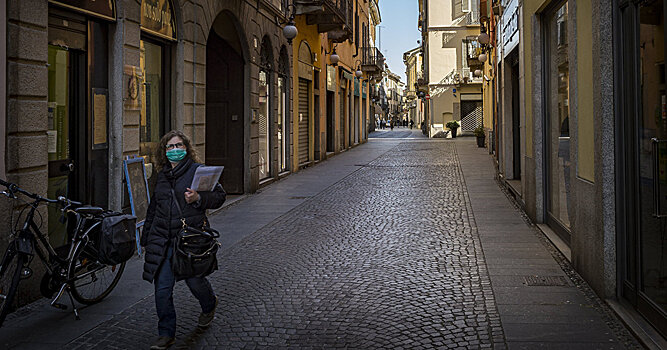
(162,218)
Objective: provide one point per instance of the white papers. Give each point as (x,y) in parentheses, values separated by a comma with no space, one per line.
(52,141)
(206,177)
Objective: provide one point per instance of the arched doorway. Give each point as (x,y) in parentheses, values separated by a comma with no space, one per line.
(304,88)
(225,126)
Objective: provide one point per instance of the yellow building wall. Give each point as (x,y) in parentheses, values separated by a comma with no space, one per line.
(585,113)
(319,45)
(309,34)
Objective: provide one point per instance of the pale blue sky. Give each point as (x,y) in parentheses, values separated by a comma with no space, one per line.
(399,31)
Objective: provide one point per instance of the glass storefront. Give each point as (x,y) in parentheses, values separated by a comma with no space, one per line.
(652,153)
(264,127)
(153,121)
(558,138)
(642,184)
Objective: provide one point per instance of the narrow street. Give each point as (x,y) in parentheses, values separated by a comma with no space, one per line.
(403,242)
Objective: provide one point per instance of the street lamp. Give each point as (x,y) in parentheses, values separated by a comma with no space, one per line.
(333,56)
(483,38)
(290,31)
(358,73)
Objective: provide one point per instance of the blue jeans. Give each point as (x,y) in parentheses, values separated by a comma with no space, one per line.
(164,296)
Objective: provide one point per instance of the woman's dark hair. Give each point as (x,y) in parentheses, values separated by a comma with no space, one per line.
(161,155)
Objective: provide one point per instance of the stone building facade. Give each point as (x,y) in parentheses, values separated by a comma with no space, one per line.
(91,84)
(580,138)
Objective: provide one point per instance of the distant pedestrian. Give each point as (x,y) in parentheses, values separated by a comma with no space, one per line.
(392,124)
(412,123)
(178,163)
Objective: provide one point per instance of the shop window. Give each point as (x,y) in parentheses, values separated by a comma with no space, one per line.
(264,126)
(559,162)
(154,119)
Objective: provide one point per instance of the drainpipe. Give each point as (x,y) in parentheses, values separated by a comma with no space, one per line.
(194,76)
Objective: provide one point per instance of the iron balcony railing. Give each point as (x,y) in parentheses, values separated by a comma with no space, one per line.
(472,17)
(332,16)
(372,60)
(461,76)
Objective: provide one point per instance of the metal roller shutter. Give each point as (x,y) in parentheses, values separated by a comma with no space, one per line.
(304,103)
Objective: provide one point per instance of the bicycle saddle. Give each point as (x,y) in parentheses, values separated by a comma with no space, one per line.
(89,210)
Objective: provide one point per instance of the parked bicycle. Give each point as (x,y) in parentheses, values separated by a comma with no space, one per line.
(79,273)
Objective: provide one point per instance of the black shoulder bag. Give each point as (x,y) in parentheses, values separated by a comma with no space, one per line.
(194,249)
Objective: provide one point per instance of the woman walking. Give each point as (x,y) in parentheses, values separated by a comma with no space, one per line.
(178,162)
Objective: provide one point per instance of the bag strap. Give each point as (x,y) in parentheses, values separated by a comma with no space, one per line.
(178,206)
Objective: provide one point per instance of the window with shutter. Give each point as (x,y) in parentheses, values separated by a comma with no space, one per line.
(457,10)
(465,6)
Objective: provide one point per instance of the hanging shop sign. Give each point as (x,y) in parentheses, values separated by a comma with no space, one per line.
(510,26)
(363,90)
(356,87)
(105,9)
(157,18)
(346,74)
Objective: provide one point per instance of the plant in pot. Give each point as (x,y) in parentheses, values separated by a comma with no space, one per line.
(480,133)
(453,126)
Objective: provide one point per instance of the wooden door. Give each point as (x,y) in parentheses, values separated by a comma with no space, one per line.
(224,111)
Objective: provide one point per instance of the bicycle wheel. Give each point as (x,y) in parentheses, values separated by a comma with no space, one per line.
(10,274)
(90,280)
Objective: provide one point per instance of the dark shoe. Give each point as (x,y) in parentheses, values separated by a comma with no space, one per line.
(163,342)
(205,319)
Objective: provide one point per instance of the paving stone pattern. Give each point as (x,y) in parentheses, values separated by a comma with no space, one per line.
(386,258)
(620,332)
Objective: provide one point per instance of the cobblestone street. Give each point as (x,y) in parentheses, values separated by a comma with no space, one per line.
(388,257)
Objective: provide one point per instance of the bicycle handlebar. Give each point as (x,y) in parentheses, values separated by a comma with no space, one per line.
(69,202)
(15,188)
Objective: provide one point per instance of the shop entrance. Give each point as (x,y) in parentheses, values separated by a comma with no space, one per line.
(77,113)
(331,107)
(225,128)
(356,120)
(642,184)
(66,116)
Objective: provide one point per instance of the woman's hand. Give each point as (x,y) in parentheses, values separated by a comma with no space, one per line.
(191,196)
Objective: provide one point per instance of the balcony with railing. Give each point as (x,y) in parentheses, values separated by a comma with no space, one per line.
(472,18)
(331,16)
(372,60)
(461,76)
